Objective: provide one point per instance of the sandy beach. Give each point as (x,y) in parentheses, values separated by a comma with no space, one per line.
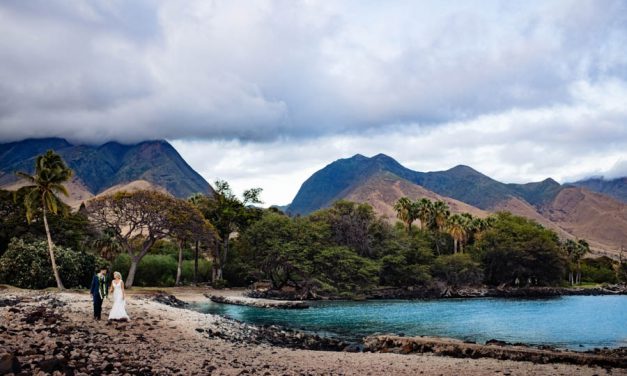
(55,332)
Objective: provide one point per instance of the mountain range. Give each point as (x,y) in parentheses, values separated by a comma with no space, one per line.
(100,168)
(583,209)
(593,209)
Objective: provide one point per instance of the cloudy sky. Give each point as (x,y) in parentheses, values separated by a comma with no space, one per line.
(264,93)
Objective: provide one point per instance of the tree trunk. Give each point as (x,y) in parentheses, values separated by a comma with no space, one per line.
(571,280)
(221,260)
(196,264)
(131,272)
(53,260)
(454,245)
(437,244)
(180,264)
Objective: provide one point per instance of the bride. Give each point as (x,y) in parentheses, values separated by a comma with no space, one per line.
(118,311)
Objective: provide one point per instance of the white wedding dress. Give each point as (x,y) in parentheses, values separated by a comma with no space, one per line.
(118,311)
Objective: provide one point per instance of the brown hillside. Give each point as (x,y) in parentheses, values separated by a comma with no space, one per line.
(592,216)
(79,193)
(522,208)
(134,186)
(382,190)
(75,187)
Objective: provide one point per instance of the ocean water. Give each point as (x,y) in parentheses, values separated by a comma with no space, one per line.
(574,322)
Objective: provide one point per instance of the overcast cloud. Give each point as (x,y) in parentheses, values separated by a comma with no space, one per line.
(264,93)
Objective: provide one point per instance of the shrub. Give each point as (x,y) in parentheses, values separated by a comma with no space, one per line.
(204,271)
(458,269)
(153,270)
(598,270)
(396,271)
(27,265)
(344,269)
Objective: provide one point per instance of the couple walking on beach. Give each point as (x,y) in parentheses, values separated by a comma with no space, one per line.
(100,289)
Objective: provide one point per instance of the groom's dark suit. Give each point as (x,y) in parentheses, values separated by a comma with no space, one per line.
(98,292)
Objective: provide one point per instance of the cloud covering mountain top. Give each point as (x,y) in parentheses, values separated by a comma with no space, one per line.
(518,88)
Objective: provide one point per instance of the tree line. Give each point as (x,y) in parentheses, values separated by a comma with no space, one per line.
(345,249)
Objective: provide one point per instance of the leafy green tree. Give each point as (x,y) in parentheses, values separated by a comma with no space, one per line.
(138,219)
(229,215)
(458,269)
(41,193)
(281,249)
(341,268)
(517,247)
(28,265)
(187,224)
(353,225)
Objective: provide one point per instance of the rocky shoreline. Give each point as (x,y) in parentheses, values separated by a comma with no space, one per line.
(442,291)
(53,333)
(260,303)
(495,349)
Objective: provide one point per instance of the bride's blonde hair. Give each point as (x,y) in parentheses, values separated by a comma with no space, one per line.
(117,274)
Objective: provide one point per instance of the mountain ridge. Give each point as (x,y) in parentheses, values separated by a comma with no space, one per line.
(99,167)
(572,212)
(461,182)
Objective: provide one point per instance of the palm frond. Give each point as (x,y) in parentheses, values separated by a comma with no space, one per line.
(60,188)
(25,176)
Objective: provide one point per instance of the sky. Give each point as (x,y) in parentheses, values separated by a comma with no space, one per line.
(265,93)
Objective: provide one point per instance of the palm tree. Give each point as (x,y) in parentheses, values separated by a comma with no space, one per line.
(569,246)
(50,174)
(439,215)
(405,211)
(108,244)
(582,248)
(424,211)
(457,228)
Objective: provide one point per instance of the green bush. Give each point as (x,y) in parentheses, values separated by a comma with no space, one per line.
(27,265)
(458,269)
(153,270)
(396,271)
(345,270)
(204,271)
(156,270)
(599,270)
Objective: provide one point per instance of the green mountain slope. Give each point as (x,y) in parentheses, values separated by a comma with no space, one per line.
(101,167)
(461,183)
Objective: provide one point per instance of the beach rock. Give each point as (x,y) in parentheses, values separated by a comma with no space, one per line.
(9,363)
(258,303)
(169,300)
(495,349)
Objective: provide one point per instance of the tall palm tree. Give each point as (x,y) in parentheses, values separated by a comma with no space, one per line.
(424,211)
(439,215)
(405,211)
(582,248)
(457,228)
(50,174)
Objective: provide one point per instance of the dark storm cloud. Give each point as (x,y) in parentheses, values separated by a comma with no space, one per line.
(101,70)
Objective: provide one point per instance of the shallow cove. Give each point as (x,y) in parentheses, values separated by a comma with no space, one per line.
(573,322)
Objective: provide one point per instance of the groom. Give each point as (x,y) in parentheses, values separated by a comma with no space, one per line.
(99,291)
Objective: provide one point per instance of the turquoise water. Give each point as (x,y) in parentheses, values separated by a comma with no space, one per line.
(575,322)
